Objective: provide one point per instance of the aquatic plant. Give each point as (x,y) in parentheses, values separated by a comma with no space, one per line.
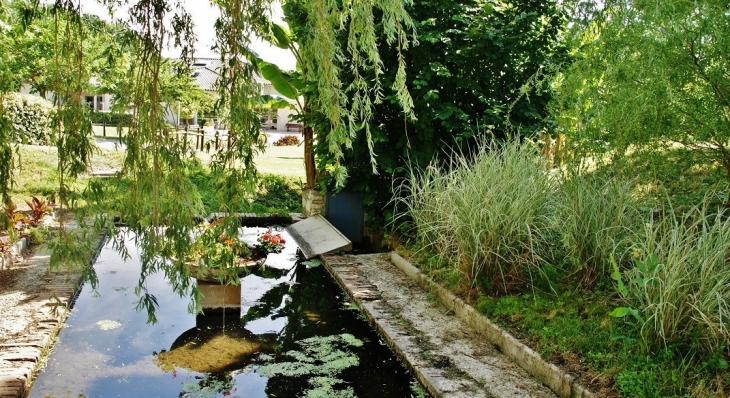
(321,359)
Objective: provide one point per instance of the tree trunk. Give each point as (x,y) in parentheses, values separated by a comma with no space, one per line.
(310,168)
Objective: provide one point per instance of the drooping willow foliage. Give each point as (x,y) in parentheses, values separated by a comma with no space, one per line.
(71,126)
(349,108)
(157,202)
(7,157)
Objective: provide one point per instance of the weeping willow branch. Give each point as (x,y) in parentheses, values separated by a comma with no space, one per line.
(7,138)
(157,201)
(349,109)
(73,134)
(240,20)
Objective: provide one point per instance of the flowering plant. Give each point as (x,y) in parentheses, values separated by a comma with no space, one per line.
(269,243)
(217,246)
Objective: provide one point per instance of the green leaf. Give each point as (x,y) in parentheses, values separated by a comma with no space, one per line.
(616,275)
(281,36)
(620,312)
(282,82)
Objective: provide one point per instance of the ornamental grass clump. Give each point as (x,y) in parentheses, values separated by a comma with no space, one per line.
(679,288)
(593,220)
(486,212)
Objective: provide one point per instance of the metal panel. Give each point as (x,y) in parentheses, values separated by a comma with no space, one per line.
(344,210)
(316,236)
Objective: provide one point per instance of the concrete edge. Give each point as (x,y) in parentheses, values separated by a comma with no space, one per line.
(563,384)
(420,376)
(256,219)
(21,245)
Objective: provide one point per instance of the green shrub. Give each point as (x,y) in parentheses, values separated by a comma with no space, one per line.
(487,214)
(35,236)
(594,220)
(679,292)
(31,118)
(110,118)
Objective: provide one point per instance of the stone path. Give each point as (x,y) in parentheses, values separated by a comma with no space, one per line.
(33,306)
(446,355)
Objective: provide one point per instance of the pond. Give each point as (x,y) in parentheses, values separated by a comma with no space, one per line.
(294,334)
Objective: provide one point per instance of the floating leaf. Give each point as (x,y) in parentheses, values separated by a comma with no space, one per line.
(313,263)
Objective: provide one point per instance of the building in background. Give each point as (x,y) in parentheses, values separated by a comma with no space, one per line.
(206,72)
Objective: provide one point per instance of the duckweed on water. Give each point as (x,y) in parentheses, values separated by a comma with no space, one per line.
(321,360)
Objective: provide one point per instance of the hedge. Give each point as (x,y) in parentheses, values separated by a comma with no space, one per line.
(110,118)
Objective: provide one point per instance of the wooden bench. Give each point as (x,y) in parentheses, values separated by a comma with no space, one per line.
(293,126)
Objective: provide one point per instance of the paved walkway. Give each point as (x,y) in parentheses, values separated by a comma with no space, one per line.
(45,305)
(446,355)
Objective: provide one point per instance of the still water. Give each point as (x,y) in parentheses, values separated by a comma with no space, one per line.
(296,334)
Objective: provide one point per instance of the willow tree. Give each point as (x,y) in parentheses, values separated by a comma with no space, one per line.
(157,202)
(7,84)
(648,73)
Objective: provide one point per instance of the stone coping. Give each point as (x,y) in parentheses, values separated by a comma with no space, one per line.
(448,357)
(563,384)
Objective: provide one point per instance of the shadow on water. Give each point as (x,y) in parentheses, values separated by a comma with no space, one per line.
(294,333)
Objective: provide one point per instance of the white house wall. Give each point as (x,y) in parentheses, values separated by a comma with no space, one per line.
(283,117)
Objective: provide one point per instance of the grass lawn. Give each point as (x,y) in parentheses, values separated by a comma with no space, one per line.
(37,173)
(282,160)
(279,160)
(110,131)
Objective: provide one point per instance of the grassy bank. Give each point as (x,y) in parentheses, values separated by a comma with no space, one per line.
(603,275)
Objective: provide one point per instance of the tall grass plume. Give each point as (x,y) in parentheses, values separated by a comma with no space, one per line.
(484,212)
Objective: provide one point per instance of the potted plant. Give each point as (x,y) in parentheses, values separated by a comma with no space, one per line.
(218,254)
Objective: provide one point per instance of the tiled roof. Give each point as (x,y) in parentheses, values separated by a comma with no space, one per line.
(206,72)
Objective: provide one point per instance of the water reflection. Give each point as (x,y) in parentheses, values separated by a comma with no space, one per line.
(217,354)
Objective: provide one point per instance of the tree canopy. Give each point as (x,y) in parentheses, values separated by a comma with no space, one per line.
(649,73)
(468,66)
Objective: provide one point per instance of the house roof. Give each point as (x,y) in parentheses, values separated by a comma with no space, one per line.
(206,72)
